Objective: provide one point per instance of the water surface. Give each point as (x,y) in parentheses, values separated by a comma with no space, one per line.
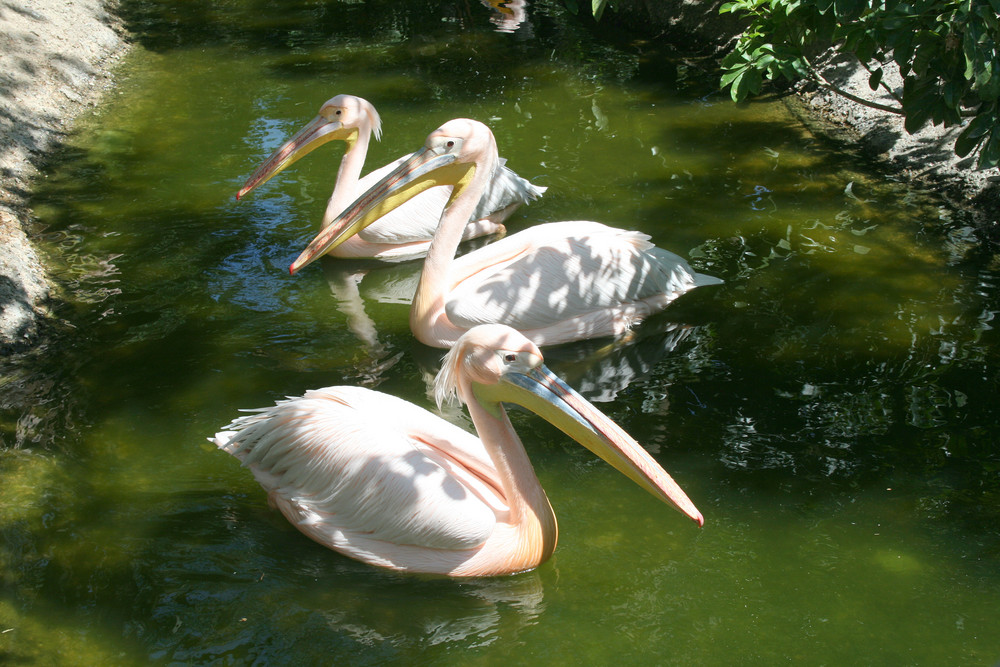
(831,408)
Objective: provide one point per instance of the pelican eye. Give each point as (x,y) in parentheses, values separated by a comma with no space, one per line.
(450,144)
(510,357)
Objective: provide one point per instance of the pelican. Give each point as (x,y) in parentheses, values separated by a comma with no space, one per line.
(388,483)
(408,232)
(556,283)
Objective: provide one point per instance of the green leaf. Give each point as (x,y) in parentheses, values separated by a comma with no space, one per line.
(988,86)
(730,76)
(918,107)
(847,9)
(916,120)
(990,155)
(985,13)
(971,54)
(748,85)
(763,60)
(966,142)
(762,51)
(865,48)
(734,90)
(732,60)
(922,57)
(791,6)
(952,117)
(875,79)
(952,94)
(980,125)
(598,8)
(902,52)
(983,75)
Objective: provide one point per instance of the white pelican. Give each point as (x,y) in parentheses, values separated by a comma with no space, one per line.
(390,484)
(555,283)
(408,232)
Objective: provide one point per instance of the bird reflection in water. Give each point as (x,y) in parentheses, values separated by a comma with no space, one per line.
(509,16)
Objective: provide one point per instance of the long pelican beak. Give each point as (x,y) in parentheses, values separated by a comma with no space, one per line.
(422,170)
(316,132)
(542,392)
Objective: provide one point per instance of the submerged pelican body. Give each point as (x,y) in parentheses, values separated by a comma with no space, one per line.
(405,233)
(555,282)
(385,482)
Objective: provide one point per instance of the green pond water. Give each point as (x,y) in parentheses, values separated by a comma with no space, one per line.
(832,408)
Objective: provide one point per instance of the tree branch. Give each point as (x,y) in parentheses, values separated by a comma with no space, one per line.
(821,80)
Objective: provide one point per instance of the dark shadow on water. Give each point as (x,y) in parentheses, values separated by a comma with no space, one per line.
(260,25)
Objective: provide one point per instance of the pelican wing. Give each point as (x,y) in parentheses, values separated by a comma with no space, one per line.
(503,189)
(345,464)
(554,272)
(417,219)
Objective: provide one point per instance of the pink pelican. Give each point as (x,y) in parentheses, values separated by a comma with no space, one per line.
(557,282)
(407,233)
(388,483)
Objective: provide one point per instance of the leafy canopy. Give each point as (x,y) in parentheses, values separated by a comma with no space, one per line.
(947,53)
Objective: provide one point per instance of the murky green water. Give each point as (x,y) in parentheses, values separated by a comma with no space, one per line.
(832,408)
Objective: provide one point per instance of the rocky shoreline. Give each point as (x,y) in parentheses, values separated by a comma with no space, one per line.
(926,157)
(57,59)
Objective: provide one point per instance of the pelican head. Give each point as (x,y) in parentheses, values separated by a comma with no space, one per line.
(494,364)
(343,117)
(448,157)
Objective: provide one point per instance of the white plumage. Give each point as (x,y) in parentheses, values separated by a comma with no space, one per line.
(388,483)
(406,232)
(556,283)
